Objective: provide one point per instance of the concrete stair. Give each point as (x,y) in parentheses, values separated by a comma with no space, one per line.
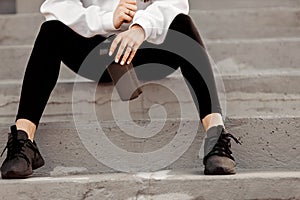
(267,143)
(255,45)
(254,23)
(242,4)
(187,185)
(247,96)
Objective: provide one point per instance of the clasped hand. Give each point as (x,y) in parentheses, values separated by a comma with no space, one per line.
(128,41)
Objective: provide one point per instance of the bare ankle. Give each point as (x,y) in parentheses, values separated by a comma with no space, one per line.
(211,120)
(27,126)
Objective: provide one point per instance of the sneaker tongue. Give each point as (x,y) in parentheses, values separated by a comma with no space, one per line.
(19,134)
(212,137)
(22,135)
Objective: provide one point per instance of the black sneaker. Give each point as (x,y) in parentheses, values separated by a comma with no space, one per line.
(219,159)
(23,156)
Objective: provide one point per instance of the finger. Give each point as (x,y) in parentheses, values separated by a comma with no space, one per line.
(130,13)
(131,7)
(127,12)
(126,17)
(121,50)
(132,54)
(114,45)
(126,54)
(133,2)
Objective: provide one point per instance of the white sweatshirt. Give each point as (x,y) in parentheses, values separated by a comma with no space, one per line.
(95,17)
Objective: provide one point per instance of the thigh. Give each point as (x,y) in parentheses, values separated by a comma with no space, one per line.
(159,63)
(185,25)
(74,48)
(154,63)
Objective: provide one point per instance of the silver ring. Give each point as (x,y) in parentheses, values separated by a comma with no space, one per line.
(130,47)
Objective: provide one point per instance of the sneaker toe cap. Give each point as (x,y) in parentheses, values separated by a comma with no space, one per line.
(15,168)
(219,165)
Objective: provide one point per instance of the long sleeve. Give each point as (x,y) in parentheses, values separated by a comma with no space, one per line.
(86,21)
(158,16)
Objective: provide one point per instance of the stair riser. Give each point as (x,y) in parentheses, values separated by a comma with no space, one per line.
(29,6)
(7,7)
(33,5)
(268,83)
(64,111)
(236,4)
(183,186)
(60,104)
(212,24)
(250,55)
(259,54)
(267,23)
(19,29)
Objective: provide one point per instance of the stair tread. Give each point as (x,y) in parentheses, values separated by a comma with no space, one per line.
(241,4)
(159,185)
(234,23)
(179,175)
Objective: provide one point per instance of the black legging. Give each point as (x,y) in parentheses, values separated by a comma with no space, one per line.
(56,42)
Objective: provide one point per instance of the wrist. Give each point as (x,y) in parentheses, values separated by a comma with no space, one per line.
(139,28)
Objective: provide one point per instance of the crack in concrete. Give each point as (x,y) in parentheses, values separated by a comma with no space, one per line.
(263,100)
(90,191)
(8,103)
(292,198)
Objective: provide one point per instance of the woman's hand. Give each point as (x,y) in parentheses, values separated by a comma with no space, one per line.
(124,12)
(130,41)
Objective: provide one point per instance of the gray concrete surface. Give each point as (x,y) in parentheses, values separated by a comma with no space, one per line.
(161,185)
(19,29)
(267,144)
(248,95)
(255,44)
(33,5)
(241,4)
(7,7)
(220,24)
(28,6)
(248,23)
(256,54)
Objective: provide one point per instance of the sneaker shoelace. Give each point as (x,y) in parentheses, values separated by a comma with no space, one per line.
(16,148)
(223,146)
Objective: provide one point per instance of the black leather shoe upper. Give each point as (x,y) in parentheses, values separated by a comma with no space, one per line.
(22,155)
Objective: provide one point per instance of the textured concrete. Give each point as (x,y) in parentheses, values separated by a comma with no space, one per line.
(265,81)
(28,6)
(241,104)
(19,29)
(7,7)
(255,44)
(241,4)
(256,54)
(231,24)
(268,144)
(161,185)
(251,95)
(248,23)
(33,5)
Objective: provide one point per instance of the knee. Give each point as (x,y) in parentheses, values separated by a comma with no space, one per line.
(183,23)
(183,19)
(52,29)
(52,25)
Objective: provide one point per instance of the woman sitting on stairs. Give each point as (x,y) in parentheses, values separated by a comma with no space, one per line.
(72,29)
